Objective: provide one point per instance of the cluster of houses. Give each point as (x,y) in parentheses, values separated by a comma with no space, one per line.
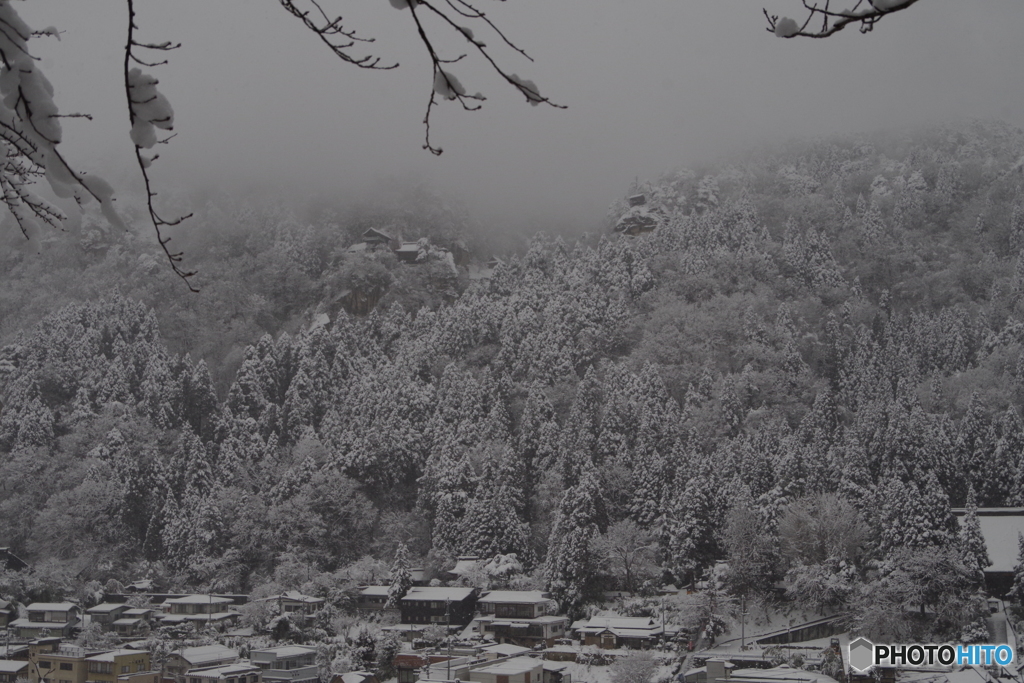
(408,252)
(127,622)
(51,660)
(504,636)
(500,636)
(527,619)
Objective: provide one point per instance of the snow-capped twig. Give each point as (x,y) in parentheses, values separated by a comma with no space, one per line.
(149,110)
(865,12)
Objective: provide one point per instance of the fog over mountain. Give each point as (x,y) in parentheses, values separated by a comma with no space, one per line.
(260,102)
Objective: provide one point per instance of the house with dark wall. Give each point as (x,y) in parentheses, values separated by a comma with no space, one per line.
(430,605)
(10,561)
(525,618)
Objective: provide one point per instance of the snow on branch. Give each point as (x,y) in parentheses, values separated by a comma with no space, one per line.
(865,12)
(30,133)
(148,111)
(453,13)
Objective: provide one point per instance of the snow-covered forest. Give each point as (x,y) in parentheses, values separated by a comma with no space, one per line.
(826,335)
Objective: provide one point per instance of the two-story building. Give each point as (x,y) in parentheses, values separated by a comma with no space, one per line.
(287,664)
(58,619)
(181,661)
(134,623)
(124,666)
(51,661)
(372,599)
(296,605)
(239,672)
(200,610)
(438,605)
(514,670)
(525,618)
(106,613)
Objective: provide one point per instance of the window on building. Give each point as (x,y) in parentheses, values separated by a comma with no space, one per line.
(125,668)
(66,666)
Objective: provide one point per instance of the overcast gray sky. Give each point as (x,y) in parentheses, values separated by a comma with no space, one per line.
(650,85)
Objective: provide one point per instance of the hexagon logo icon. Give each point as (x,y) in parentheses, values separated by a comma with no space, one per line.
(861,654)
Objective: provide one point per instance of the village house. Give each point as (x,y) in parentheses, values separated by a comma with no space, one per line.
(409,252)
(13,670)
(525,618)
(124,666)
(206,656)
(140,586)
(134,623)
(418,666)
(371,599)
(106,613)
(515,670)
(354,677)
(201,610)
(612,632)
(287,664)
(14,651)
(10,561)
(375,237)
(48,619)
(51,661)
(240,672)
(438,605)
(555,672)
(8,613)
(295,604)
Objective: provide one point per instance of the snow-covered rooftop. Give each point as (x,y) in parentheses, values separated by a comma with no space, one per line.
(51,606)
(512,667)
(285,651)
(999,528)
(515,597)
(781,673)
(506,649)
(455,594)
(207,653)
(12,666)
(109,656)
(197,599)
(105,607)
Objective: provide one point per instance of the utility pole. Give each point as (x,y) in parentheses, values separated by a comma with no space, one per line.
(448,633)
(743,623)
